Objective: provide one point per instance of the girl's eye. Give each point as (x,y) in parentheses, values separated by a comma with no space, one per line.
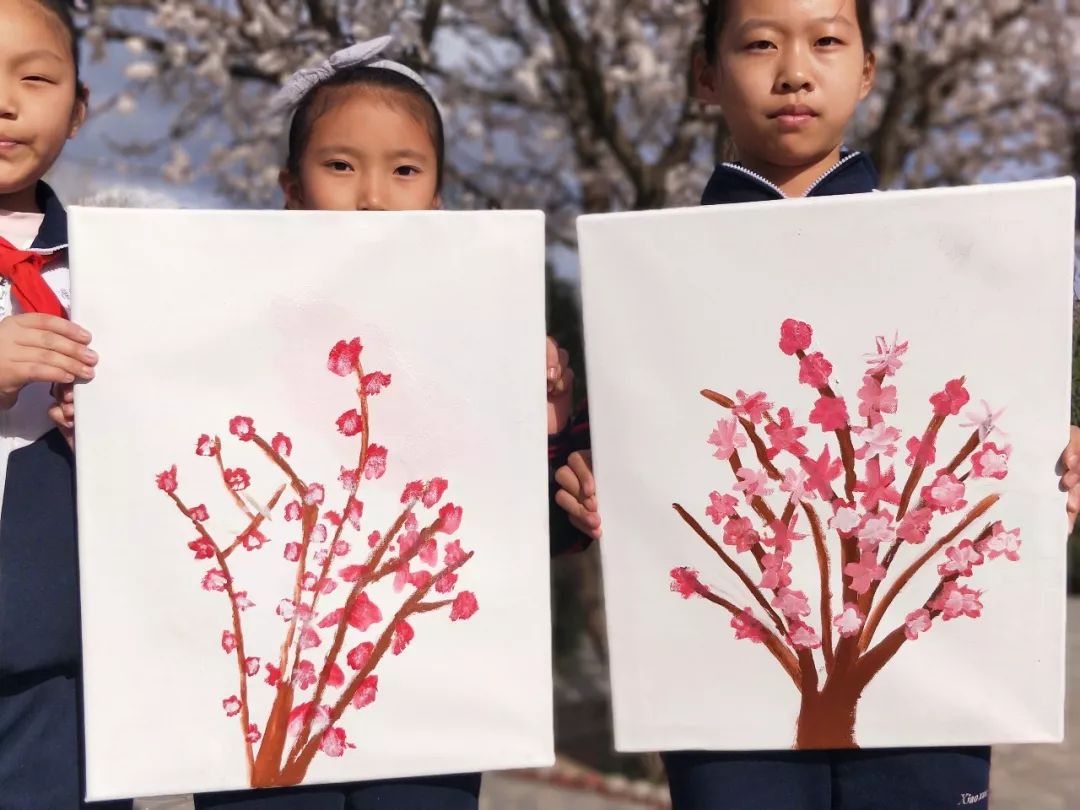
(339,166)
(37,79)
(760,45)
(407,171)
(829,42)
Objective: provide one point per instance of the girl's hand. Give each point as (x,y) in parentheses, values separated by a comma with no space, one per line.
(41,348)
(1070,479)
(560,388)
(62,412)
(577,494)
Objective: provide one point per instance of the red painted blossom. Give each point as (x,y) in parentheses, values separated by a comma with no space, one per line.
(237,479)
(783,536)
(228,641)
(336,678)
(292,552)
(991,462)
(359,656)
(353,573)
(318,533)
(401,577)
(920,451)
(876,399)
(429,552)
(403,634)
(449,518)
(945,494)
(453,554)
(242,601)
(864,573)
(345,357)
(748,628)
(350,479)
(367,692)
(253,735)
(740,533)
(375,466)
(242,427)
(273,675)
(433,491)
(305,676)
(830,413)
(374,539)
(350,423)
(465,605)
(916,622)
(374,383)
(364,613)
(293,511)
(878,487)
(206,446)
(956,600)
(282,445)
(420,579)
(314,495)
(199,513)
(354,510)
(413,492)
(784,435)
(445,583)
(308,639)
(332,517)
(215,580)
(822,472)
(795,336)
(252,665)
(720,507)
(751,406)
(334,743)
(166,481)
(815,370)
(253,540)
(232,705)
(915,526)
(320,718)
(202,547)
(949,401)
(685,582)
(776,572)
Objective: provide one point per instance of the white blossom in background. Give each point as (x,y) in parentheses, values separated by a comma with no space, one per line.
(582,105)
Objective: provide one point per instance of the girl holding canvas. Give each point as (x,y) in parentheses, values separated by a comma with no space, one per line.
(788,77)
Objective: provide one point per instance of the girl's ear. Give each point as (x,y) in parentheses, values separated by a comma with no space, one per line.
(706,78)
(436,202)
(290,187)
(78,111)
(869,74)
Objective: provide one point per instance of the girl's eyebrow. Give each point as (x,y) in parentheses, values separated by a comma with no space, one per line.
(410,154)
(37,54)
(757,22)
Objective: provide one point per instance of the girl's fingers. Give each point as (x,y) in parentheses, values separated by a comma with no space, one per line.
(1070,479)
(42,339)
(43,372)
(58,326)
(580,518)
(581,464)
(37,358)
(566,478)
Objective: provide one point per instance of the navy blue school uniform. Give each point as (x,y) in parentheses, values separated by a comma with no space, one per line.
(884,779)
(40,732)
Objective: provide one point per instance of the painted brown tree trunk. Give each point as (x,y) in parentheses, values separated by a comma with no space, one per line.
(268,762)
(827,718)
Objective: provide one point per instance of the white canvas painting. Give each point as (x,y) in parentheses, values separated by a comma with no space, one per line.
(312,497)
(825,436)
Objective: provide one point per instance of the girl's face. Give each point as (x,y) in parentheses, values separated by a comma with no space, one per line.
(40,105)
(365,153)
(788,76)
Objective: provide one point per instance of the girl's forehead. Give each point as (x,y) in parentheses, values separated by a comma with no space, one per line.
(33,27)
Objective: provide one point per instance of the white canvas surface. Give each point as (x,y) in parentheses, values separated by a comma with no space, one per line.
(977,282)
(200,317)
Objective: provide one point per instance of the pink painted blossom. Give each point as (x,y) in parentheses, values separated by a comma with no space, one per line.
(795,336)
(232,705)
(915,526)
(784,435)
(292,510)
(166,481)
(449,518)
(253,735)
(685,582)
(403,634)
(253,540)
(776,572)
(429,552)
(864,573)
(318,533)
(726,438)
(314,495)
(242,427)
(353,573)
(720,507)
(983,422)
(273,674)
(252,665)
(849,623)
(433,491)
(292,552)
(753,483)
(795,485)
(354,510)
(739,532)
(242,601)
(814,370)
(920,451)
(830,413)
(879,440)
(320,719)
(366,692)
(228,641)
(876,399)
(751,406)
(345,357)
(401,577)
(445,583)
(453,554)
(413,491)
(991,462)
(203,548)
(783,536)
(375,466)
(308,639)
(206,446)
(803,637)
(1002,543)
(359,656)
(747,627)
(374,539)
(334,742)
(878,486)
(949,401)
(285,609)
(875,530)
(349,479)
(237,479)
(846,519)
(960,560)
(945,494)
(955,601)
(886,360)
(792,604)
(350,423)
(464,606)
(199,513)
(364,613)
(282,445)
(916,622)
(822,472)
(305,676)
(420,579)
(215,580)
(373,383)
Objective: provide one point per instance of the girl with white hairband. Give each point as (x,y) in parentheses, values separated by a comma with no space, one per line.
(366,135)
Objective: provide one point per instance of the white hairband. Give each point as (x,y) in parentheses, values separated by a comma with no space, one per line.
(364,54)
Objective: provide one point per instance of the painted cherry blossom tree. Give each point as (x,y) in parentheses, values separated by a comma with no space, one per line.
(874,522)
(335,634)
